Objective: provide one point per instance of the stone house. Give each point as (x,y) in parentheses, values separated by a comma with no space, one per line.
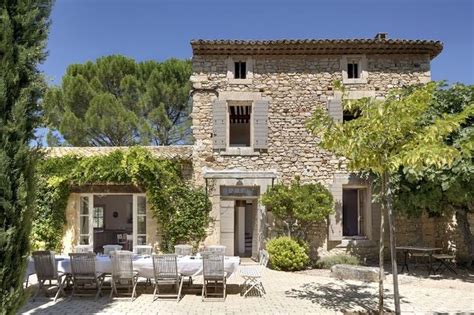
(251,100)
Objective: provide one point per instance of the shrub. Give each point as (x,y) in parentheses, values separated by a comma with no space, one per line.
(329,261)
(287,254)
(298,205)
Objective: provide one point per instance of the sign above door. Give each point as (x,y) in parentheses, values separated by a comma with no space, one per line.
(239,191)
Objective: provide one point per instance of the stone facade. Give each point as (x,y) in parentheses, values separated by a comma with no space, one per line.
(294,78)
(294,85)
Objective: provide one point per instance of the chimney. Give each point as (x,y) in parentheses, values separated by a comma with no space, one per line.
(381,36)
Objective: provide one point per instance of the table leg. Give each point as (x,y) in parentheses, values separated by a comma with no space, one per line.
(430,265)
(405,262)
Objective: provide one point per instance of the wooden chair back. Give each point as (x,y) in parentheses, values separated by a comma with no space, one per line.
(165,266)
(83,265)
(122,266)
(213,265)
(45,265)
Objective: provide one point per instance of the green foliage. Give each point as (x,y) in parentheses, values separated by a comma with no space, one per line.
(116,101)
(447,189)
(439,189)
(287,254)
(188,217)
(329,261)
(389,134)
(181,211)
(49,218)
(299,205)
(23,34)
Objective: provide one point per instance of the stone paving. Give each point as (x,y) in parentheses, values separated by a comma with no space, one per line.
(308,292)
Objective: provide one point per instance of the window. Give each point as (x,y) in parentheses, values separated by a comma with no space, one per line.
(240,70)
(353,70)
(99,217)
(141,220)
(348,115)
(240,125)
(353,211)
(84,235)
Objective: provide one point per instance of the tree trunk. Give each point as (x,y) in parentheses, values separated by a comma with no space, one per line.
(463,223)
(393,250)
(288,226)
(381,248)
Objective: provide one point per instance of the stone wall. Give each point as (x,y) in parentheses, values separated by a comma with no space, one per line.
(71,230)
(435,231)
(295,86)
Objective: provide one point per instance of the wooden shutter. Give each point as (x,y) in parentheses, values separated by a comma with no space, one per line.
(219,115)
(260,124)
(335,220)
(335,109)
(227,226)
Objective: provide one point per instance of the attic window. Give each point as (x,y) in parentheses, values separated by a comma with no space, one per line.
(353,70)
(240,70)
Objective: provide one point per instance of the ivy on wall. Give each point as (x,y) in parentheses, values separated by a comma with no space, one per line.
(181,211)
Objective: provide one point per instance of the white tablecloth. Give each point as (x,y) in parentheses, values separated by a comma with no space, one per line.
(187,266)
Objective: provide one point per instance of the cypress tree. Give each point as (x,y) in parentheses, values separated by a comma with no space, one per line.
(23,33)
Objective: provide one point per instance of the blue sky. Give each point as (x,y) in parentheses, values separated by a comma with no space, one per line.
(84,30)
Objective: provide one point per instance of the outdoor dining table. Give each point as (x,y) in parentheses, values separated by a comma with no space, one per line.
(189,266)
(425,252)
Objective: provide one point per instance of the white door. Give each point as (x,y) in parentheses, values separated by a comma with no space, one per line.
(227,225)
(139,220)
(86,220)
(240,229)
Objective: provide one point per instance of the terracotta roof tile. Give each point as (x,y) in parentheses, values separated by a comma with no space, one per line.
(316,47)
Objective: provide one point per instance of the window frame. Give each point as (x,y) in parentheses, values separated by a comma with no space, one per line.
(249,64)
(235,149)
(364,228)
(238,73)
(94,217)
(361,61)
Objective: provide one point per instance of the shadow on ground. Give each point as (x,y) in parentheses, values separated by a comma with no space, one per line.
(340,297)
(88,305)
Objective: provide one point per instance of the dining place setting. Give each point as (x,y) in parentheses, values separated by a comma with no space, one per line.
(87,273)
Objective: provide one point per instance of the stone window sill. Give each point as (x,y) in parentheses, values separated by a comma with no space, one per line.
(359,241)
(240,151)
(240,81)
(354,81)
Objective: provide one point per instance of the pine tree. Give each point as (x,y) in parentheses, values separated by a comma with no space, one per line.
(23,32)
(116,101)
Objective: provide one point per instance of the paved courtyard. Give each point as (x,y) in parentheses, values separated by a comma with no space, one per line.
(308,292)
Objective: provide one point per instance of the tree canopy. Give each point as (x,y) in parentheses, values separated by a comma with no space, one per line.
(389,134)
(116,101)
(299,205)
(23,34)
(448,189)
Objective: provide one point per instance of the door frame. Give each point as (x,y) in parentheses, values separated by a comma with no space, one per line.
(90,196)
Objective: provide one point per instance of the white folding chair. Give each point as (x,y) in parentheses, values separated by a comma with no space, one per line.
(111,248)
(143,250)
(83,249)
(183,250)
(252,275)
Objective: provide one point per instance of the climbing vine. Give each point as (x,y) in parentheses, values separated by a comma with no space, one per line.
(181,211)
